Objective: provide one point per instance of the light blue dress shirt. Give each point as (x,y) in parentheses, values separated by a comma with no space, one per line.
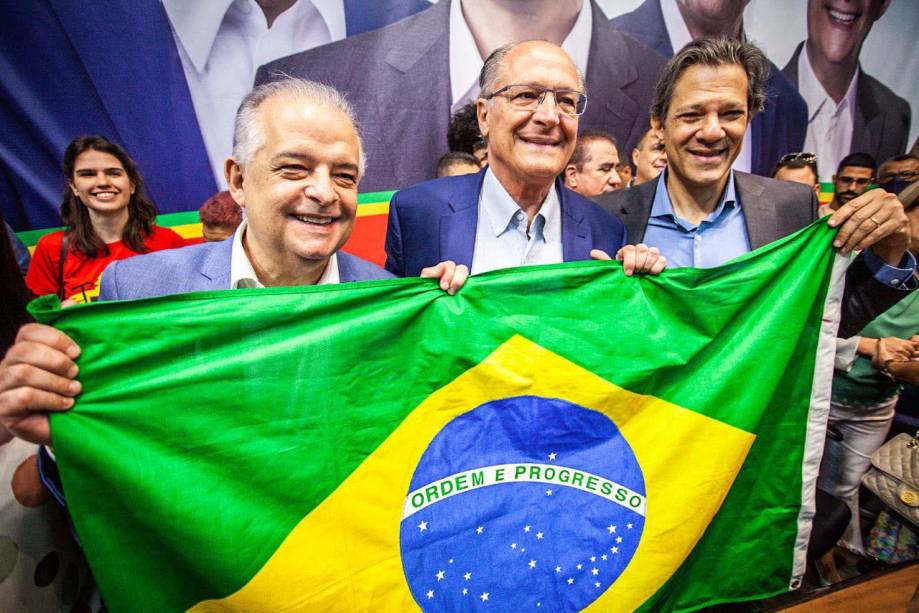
(722,236)
(501,237)
(718,238)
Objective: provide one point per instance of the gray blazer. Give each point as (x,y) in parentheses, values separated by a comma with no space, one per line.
(772,209)
(881,117)
(398,80)
(198,268)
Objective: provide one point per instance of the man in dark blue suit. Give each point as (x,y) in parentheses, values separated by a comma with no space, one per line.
(112,68)
(667,25)
(516,211)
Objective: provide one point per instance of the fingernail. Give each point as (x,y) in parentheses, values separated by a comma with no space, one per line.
(837,244)
(74,387)
(833,223)
(73,351)
(68,402)
(73,372)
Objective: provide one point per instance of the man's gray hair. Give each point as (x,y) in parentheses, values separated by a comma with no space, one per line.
(491,69)
(713,52)
(248,134)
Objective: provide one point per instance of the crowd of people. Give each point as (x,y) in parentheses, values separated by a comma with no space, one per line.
(521,186)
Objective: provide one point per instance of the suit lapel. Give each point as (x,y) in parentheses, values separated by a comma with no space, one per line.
(634,209)
(759,214)
(214,272)
(866,130)
(458,227)
(420,122)
(604,71)
(128,51)
(575,233)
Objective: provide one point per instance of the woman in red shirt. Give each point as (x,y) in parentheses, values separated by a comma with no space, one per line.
(107,217)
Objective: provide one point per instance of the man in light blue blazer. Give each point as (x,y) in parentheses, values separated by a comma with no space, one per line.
(296,164)
(516,211)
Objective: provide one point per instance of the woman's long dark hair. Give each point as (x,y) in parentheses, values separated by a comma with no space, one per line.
(15,294)
(75,215)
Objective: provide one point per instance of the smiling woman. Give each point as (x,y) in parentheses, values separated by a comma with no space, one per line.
(107,218)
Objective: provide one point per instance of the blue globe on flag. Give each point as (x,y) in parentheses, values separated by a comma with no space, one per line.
(523,503)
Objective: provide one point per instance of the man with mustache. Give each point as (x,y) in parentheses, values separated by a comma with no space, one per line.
(848,110)
(853,176)
(516,211)
(702,213)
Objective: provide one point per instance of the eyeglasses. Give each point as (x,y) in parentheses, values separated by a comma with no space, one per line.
(529,97)
(801,156)
(857,181)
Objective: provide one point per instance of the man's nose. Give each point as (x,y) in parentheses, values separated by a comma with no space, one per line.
(320,189)
(547,111)
(711,129)
(614,179)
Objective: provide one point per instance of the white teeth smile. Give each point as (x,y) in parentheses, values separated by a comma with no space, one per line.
(321,221)
(843,17)
(104,196)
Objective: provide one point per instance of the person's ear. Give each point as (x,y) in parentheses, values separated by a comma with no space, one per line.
(481,113)
(635,154)
(571,176)
(233,172)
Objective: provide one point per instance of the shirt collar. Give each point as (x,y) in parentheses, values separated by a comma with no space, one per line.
(466,63)
(501,210)
(242,273)
(662,207)
(676,25)
(197,24)
(812,91)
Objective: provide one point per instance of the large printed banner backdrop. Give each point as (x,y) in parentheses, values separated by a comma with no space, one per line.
(164,78)
(620,443)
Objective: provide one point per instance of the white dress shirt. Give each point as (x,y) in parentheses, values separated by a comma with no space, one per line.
(501,237)
(466,63)
(829,125)
(679,36)
(222,43)
(242,273)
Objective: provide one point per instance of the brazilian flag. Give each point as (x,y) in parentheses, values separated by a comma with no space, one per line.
(551,438)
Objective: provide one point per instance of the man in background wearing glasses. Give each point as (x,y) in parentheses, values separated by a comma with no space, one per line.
(516,211)
(854,174)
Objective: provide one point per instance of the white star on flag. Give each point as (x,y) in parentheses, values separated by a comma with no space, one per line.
(532,564)
(603,557)
(594,571)
(467,576)
(539,535)
(579,566)
(548,492)
(440,575)
(479,530)
(526,528)
(450,561)
(552,456)
(513,545)
(618,539)
(465,591)
(570,580)
(629,526)
(484,596)
(593,558)
(611,528)
(614,549)
(596,584)
(430,594)
(423,526)
(558,569)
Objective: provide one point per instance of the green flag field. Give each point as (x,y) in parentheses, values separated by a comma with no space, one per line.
(551,438)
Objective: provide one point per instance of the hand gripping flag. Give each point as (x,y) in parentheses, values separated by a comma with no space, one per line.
(551,438)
